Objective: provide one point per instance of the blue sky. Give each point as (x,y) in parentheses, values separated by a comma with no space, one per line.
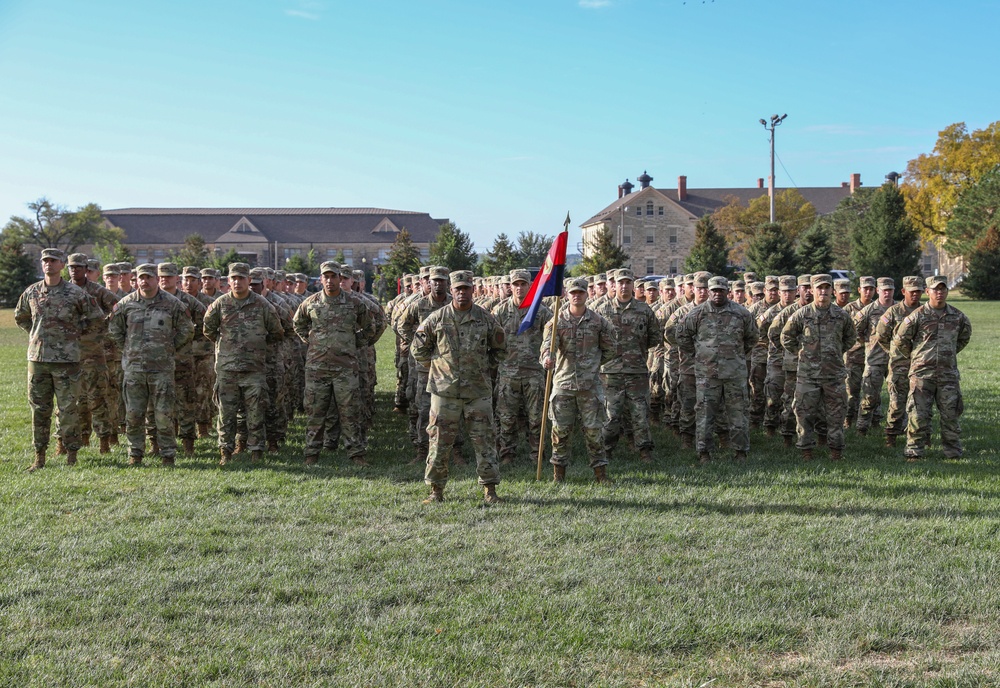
(499,115)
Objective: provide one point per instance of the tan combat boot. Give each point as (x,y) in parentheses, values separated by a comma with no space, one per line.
(601,475)
(60,447)
(39,461)
(114,441)
(558,474)
(154,447)
(807,454)
(188,446)
(490,494)
(202,431)
(704,458)
(105,444)
(437,495)
(135,461)
(256,456)
(167,461)
(241,446)
(789,441)
(420,457)
(741,457)
(687,440)
(821,440)
(890,440)
(836,454)
(646,456)
(225,456)
(272,446)
(312,460)
(71,458)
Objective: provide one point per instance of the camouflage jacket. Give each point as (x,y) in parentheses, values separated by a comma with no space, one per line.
(887,326)
(852,309)
(819,337)
(242,331)
(150,331)
(202,346)
(210,297)
(92,342)
(764,320)
(931,339)
(196,310)
(719,339)
(399,311)
(522,349)
(789,361)
(636,331)
(335,328)
(416,311)
(460,349)
(55,318)
(583,345)
(685,361)
(866,324)
(377,315)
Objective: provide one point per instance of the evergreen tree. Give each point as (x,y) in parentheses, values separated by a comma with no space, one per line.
(404,258)
(193,253)
(308,264)
(709,252)
(983,278)
(113,252)
(17,270)
(770,252)
(884,243)
(453,249)
(222,262)
(532,250)
(603,254)
(815,250)
(500,259)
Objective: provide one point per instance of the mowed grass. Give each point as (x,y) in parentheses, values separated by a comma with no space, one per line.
(873,571)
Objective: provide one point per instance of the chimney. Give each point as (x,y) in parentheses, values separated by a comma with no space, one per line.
(682,188)
(620,191)
(644,179)
(855,182)
(760,182)
(844,185)
(625,189)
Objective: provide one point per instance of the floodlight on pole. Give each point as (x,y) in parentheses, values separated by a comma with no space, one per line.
(775,121)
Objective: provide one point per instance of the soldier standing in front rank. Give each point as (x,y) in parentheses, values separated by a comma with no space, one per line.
(758,355)
(774,381)
(898,380)
(687,394)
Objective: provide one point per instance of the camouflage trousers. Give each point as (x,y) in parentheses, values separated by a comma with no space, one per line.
(152,393)
(276,420)
(870,409)
(820,404)
(244,394)
(671,379)
(59,381)
(327,394)
(185,407)
(520,400)
(444,427)
(787,423)
(402,375)
(205,389)
(626,391)
(898,383)
(855,362)
(413,389)
(687,398)
(94,410)
(756,378)
(925,394)
(366,389)
(774,387)
(422,403)
(657,393)
(722,403)
(586,409)
(115,401)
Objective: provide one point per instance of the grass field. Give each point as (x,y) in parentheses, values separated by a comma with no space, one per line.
(873,571)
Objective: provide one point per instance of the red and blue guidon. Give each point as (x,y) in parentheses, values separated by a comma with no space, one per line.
(548,282)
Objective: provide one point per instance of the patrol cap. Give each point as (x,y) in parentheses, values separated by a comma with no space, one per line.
(911,282)
(461,278)
(591,279)
(258,275)
(700,280)
(718,283)
(504,279)
(749,277)
(358,275)
(125,266)
(301,277)
(239,270)
(886,283)
(757,288)
(112,269)
(867,282)
(804,280)
(77,260)
(612,274)
(93,264)
(520,276)
(821,278)
(279,275)
(424,271)
(438,272)
(191,271)
(786,283)
(208,272)
(624,274)
(330,266)
(54,254)
(740,284)
(842,286)
(651,284)
(145,269)
(668,283)
(601,277)
(936,281)
(167,269)
(269,273)
(689,278)
(770,282)
(575,284)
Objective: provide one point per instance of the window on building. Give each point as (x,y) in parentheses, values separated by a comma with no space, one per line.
(383,255)
(141,253)
(425,254)
(673,266)
(649,208)
(659,210)
(627,236)
(289,252)
(673,235)
(928,265)
(638,211)
(158,255)
(331,252)
(650,236)
(349,255)
(650,266)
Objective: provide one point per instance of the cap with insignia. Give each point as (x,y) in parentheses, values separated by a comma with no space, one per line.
(867,282)
(718,283)
(601,277)
(93,264)
(936,281)
(520,276)
(239,270)
(145,269)
(167,269)
(461,278)
(437,272)
(668,283)
(771,282)
(689,278)
(329,266)
(740,285)
(786,283)
(651,284)
(504,279)
(112,269)
(125,266)
(912,282)
(424,271)
(886,283)
(207,272)
(77,260)
(258,275)
(700,280)
(624,274)
(301,277)
(757,288)
(749,277)
(191,271)
(842,286)
(804,280)
(821,278)
(575,284)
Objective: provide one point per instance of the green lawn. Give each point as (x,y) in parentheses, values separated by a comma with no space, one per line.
(873,571)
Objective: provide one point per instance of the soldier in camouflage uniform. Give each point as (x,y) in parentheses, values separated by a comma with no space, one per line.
(671,354)
(898,379)
(625,378)
(367,362)
(399,399)
(654,357)
(149,326)
(210,283)
(93,408)
(818,334)
(789,361)
(113,358)
(336,326)
(687,390)
(718,335)
(855,358)
(757,374)
(774,381)
(203,356)
(931,338)
(55,314)
(243,327)
(520,380)
(276,420)
(876,358)
(842,292)
(738,293)
(421,288)
(460,344)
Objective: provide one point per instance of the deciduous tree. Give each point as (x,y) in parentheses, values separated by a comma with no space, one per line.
(983,278)
(739,223)
(53,226)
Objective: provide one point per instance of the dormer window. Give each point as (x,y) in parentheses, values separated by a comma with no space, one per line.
(386,225)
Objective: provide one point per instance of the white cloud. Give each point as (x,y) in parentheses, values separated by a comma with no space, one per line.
(306,9)
(595,4)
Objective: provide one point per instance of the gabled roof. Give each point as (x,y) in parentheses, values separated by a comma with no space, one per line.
(633,198)
(284,225)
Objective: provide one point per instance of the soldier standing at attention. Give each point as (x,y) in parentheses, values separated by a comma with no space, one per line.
(203,354)
(116,408)
(818,334)
(931,338)
(336,326)
(789,361)
(876,358)
(149,326)
(520,379)
(460,344)
(54,313)
(758,356)
(842,292)
(718,335)
(687,394)
(243,326)
(855,358)
(774,381)
(626,378)
(898,380)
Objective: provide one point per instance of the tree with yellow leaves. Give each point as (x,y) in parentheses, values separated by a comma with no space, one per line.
(739,223)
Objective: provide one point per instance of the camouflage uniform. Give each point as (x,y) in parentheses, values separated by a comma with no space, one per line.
(898,380)
(774,379)
(149,333)
(931,339)
(521,378)
(686,390)
(459,348)
(367,363)
(399,399)
(54,317)
(95,379)
(854,359)
(876,365)
(818,338)
(113,359)
(243,332)
(719,340)
(336,329)
(277,363)
(789,365)
(758,359)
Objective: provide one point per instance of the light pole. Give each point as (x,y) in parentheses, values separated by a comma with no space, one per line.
(775,121)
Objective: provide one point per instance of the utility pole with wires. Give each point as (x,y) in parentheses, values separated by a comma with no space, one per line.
(775,121)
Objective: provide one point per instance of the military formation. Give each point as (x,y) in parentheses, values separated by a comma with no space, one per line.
(161,353)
